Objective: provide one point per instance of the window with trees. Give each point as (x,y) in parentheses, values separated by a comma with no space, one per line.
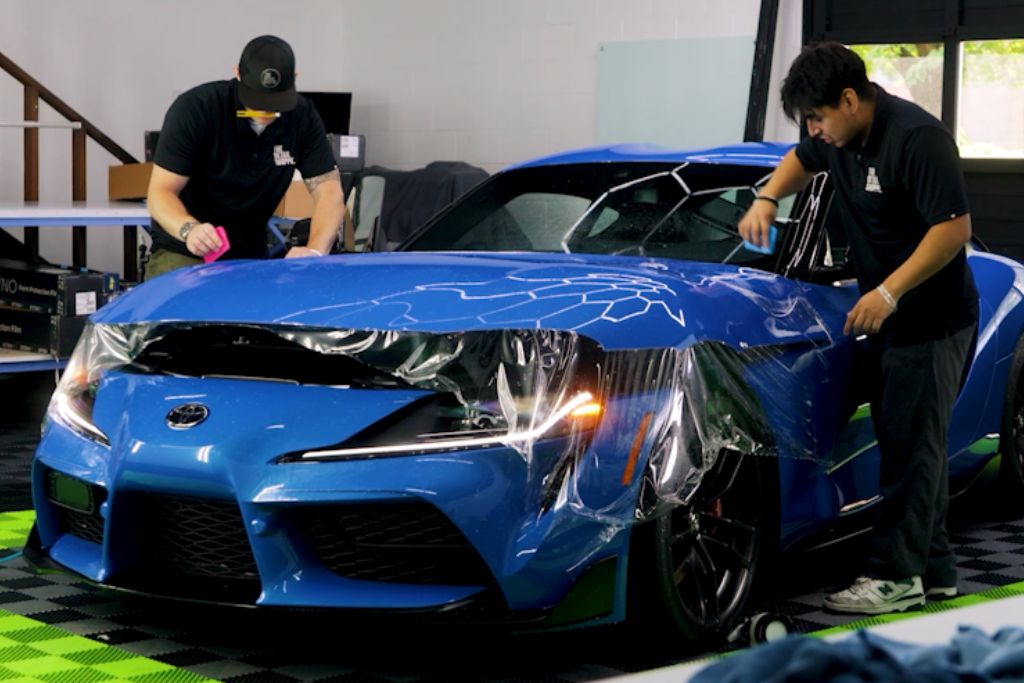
(990,89)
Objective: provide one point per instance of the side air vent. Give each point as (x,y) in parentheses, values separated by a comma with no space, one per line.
(76,504)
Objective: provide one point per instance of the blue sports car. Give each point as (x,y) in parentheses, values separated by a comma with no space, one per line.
(571,398)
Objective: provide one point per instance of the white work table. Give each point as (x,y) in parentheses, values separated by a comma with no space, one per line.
(22,361)
(125,215)
(72,213)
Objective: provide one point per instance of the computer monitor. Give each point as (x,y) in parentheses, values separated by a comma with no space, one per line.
(334,108)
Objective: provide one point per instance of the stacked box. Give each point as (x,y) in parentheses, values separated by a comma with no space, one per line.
(44,308)
(49,289)
(54,335)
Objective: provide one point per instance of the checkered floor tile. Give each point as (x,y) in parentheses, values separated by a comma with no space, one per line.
(246,647)
(34,651)
(14,528)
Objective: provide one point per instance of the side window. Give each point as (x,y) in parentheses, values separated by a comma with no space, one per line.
(786,205)
(740,196)
(837,250)
(815,244)
(743,197)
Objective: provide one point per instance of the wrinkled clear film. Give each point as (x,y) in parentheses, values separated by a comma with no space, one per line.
(617,436)
(101,347)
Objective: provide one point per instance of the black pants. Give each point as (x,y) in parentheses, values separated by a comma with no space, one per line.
(911,410)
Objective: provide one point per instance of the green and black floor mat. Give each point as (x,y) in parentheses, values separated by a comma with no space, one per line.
(56,629)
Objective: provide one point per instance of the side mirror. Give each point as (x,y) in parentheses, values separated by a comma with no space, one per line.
(773,234)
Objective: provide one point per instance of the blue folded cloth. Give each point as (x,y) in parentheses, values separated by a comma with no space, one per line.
(971,656)
(773,234)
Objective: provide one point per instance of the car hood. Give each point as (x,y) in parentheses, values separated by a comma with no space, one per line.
(621,302)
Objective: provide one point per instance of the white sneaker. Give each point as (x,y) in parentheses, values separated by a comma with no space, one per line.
(877,596)
(941,592)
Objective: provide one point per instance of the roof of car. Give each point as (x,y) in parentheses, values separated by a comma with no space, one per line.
(767,154)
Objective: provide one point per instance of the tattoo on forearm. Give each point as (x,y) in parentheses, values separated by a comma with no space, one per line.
(317,181)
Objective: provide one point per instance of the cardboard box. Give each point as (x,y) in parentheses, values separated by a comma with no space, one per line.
(54,335)
(297,201)
(129,181)
(52,290)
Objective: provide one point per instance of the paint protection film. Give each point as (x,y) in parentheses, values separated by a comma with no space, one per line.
(617,436)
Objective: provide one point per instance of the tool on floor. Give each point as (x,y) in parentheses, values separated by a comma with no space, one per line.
(762,627)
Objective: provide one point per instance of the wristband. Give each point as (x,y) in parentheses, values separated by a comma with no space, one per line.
(315,251)
(766,198)
(887,295)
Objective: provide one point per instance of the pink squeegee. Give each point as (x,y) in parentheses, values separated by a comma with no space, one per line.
(224,245)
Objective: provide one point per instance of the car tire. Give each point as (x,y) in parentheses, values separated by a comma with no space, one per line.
(693,569)
(1011,437)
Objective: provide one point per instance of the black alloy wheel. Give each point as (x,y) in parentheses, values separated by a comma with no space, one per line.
(1011,438)
(695,567)
(1017,458)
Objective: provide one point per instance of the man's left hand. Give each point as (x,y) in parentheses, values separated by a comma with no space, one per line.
(868,314)
(302,252)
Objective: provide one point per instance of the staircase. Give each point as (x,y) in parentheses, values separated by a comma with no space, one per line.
(80,128)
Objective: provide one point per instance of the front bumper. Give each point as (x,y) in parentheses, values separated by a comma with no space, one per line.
(158,531)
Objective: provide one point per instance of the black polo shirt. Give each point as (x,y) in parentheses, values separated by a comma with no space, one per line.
(236,178)
(905,178)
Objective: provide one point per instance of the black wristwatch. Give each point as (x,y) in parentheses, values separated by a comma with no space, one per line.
(185,229)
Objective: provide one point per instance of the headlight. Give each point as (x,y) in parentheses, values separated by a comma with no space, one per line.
(434,425)
(483,388)
(100,348)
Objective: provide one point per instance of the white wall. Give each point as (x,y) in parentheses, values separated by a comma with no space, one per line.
(484,81)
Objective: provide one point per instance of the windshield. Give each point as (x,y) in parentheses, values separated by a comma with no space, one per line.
(677,211)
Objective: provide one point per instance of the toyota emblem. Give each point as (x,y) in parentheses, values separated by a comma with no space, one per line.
(187,415)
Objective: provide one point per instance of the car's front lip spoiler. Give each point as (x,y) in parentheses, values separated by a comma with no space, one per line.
(480,610)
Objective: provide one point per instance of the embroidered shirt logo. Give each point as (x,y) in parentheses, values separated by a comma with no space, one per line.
(282,157)
(872,184)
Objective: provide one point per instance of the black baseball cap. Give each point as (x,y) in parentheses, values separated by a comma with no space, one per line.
(266,73)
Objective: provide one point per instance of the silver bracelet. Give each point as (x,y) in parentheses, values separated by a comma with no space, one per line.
(887,295)
(315,251)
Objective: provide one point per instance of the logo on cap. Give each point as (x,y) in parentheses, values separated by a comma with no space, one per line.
(270,78)
(266,73)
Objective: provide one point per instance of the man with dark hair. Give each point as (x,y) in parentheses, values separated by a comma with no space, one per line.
(226,156)
(900,193)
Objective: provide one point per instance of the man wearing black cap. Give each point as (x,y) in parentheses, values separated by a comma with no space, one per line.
(225,157)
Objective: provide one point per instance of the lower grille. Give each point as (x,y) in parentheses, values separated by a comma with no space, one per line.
(393,542)
(84,525)
(195,536)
